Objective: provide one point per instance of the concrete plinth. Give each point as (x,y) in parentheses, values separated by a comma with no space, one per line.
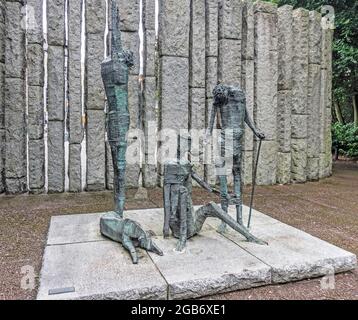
(81,264)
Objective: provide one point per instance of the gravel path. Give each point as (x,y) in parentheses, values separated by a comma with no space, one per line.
(327,209)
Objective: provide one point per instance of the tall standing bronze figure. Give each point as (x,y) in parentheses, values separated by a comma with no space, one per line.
(115,78)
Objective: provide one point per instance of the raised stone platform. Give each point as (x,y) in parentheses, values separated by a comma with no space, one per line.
(80,264)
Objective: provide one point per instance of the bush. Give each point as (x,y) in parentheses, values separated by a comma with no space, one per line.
(345,139)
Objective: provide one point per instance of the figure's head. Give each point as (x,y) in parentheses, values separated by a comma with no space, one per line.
(146,242)
(127,57)
(224,93)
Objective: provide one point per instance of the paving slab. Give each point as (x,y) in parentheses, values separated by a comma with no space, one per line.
(81,264)
(209,265)
(96,271)
(292,254)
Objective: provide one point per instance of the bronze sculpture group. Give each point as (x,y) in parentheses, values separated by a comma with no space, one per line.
(179,216)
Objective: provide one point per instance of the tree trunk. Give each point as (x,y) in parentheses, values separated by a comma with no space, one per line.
(355,110)
(338,112)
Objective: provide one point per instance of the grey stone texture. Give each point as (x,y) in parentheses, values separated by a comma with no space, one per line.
(74,168)
(174,26)
(174,92)
(197,44)
(95,150)
(266,77)
(149,14)
(56,22)
(14,121)
(56,157)
(299,160)
(284,120)
(229,63)
(211,75)
(35,96)
(283,167)
(212,27)
(285,47)
(96,262)
(129,14)
(300,94)
(150,59)
(95,96)
(56,83)
(2,93)
(230,19)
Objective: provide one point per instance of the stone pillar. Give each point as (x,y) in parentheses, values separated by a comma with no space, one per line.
(285,54)
(197,110)
(300,95)
(314,95)
(56,95)
(248,85)
(35,80)
(211,71)
(76,133)
(95,95)
(266,77)
(2,94)
(15,102)
(150,114)
(174,30)
(325,162)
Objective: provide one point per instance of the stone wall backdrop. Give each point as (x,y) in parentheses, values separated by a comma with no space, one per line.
(53,105)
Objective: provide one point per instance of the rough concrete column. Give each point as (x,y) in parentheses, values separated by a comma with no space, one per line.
(15,102)
(211,70)
(35,79)
(314,95)
(248,85)
(2,94)
(95,95)
(266,76)
(56,94)
(285,54)
(197,109)
(325,162)
(174,31)
(150,112)
(300,95)
(76,133)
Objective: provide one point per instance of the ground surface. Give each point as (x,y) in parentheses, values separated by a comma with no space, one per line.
(327,209)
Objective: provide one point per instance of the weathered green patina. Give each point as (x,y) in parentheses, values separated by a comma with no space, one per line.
(115,78)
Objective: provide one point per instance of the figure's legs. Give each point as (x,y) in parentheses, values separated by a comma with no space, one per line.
(236,170)
(183,203)
(213,210)
(119,169)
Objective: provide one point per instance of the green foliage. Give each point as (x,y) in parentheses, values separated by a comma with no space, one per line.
(345,138)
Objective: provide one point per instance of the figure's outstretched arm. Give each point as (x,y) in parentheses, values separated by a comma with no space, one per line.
(252,126)
(210,129)
(201,182)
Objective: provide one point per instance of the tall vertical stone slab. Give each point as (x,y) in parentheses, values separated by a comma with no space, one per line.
(35,80)
(285,54)
(76,133)
(130,18)
(211,71)
(248,85)
(197,59)
(150,112)
(266,77)
(174,35)
(95,95)
(2,94)
(325,162)
(230,33)
(300,95)
(314,95)
(15,102)
(56,94)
